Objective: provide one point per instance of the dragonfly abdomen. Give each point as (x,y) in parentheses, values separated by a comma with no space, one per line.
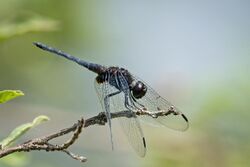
(97,68)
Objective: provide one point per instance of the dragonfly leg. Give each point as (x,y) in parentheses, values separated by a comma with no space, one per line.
(143,107)
(133,105)
(126,102)
(111,94)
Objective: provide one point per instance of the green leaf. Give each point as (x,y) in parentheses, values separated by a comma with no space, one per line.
(15,160)
(7,95)
(21,130)
(20,26)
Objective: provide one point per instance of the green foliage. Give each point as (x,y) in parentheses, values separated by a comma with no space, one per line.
(21,130)
(7,95)
(22,26)
(16,159)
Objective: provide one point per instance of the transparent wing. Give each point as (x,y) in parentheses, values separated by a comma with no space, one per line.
(103,91)
(132,129)
(153,102)
(130,126)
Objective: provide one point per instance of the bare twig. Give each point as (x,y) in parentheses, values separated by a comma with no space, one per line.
(42,143)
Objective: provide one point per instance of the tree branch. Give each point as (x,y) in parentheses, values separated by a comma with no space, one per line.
(42,143)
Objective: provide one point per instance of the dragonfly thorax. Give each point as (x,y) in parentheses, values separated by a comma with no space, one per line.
(115,76)
(122,80)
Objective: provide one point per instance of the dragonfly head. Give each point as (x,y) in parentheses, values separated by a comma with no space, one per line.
(138,89)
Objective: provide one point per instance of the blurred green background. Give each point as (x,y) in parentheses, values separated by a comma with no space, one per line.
(194,53)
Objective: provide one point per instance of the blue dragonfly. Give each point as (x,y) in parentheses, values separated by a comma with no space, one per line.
(119,90)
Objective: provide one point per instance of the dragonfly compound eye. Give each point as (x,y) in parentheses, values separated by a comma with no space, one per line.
(139,90)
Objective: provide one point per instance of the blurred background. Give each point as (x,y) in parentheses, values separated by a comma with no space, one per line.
(194,53)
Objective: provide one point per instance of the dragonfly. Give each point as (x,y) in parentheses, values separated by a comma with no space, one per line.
(119,90)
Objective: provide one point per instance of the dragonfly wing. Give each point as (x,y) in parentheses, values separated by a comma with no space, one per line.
(132,129)
(154,103)
(130,126)
(103,90)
